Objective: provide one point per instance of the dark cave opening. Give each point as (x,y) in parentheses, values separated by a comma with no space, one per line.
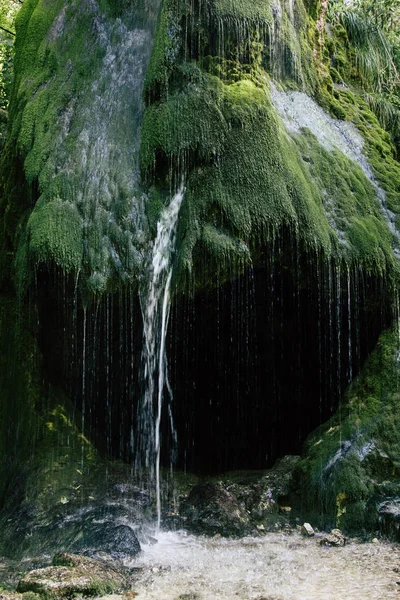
(255,365)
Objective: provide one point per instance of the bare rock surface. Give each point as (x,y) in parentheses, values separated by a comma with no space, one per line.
(307,530)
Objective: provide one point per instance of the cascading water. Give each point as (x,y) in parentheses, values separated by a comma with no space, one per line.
(155,303)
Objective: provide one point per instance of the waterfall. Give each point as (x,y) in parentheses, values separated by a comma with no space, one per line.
(154,299)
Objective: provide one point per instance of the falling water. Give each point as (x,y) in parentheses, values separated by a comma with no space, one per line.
(155,310)
(350,353)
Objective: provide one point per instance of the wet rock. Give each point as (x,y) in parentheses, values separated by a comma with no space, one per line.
(71,574)
(307,530)
(334,538)
(113,538)
(211,509)
(265,498)
(244,503)
(389,518)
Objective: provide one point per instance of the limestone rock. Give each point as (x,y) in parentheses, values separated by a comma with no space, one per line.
(210,508)
(307,530)
(334,538)
(73,574)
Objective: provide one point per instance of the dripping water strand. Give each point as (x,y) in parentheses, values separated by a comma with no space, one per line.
(155,302)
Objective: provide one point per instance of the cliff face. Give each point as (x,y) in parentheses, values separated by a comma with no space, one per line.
(286,258)
(225,108)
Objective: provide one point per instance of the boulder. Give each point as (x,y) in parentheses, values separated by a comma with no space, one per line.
(74,575)
(334,538)
(242,503)
(210,508)
(114,538)
(307,530)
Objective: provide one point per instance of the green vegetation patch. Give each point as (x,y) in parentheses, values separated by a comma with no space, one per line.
(75,117)
(246,179)
(351,205)
(353,461)
(211,120)
(56,234)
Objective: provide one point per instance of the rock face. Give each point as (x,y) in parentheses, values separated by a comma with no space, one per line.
(350,466)
(211,508)
(239,505)
(389,518)
(264,193)
(71,575)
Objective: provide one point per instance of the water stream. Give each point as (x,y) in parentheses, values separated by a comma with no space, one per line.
(155,303)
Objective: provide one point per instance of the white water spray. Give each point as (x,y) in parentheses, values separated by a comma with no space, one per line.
(155,303)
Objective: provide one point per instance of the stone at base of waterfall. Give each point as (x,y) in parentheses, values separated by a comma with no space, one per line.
(74,575)
(389,518)
(307,530)
(211,509)
(243,503)
(115,539)
(334,538)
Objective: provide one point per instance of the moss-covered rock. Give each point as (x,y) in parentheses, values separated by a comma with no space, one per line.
(75,124)
(209,118)
(72,575)
(351,464)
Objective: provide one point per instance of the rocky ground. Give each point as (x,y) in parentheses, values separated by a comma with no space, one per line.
(180,566)
(241,536)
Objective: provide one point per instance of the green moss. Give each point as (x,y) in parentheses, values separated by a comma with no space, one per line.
(351,461)
(55,232)
(256,187)
(166,48)
(188,121)
(75,127)
(351,204)
(245,178)
(371,242)
(246,11)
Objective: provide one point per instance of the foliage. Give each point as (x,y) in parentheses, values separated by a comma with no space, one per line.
(371,44)
(8,11)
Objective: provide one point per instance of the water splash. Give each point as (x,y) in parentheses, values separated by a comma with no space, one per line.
(155,303)
(187,566)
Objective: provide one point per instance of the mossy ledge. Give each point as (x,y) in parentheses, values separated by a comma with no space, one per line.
(209,118)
